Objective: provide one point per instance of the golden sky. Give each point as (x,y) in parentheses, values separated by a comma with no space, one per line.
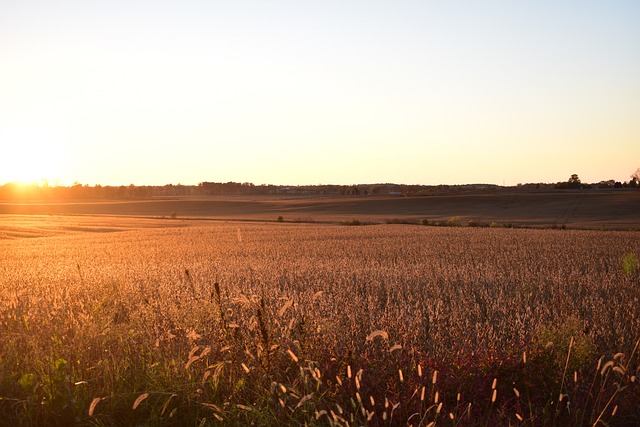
(334,92)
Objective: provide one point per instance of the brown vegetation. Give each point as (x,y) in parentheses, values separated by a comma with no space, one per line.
(171,322)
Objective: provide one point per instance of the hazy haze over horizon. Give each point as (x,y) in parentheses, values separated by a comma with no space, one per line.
(285,92)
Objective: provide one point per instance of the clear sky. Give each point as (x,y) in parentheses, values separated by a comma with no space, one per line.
(308,92)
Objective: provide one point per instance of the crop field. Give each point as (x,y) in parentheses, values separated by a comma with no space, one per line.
(109,321)
(592,209)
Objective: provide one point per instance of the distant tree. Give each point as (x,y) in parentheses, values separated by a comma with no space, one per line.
(574,181)
(376,189)
(635,179)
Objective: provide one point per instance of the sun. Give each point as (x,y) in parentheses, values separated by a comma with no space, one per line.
(30,155)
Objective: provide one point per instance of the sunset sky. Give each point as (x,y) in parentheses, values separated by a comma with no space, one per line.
(335,92)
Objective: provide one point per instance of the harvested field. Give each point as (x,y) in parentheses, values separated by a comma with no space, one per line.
(591,209)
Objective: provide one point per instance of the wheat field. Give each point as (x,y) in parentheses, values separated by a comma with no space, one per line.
(119,321)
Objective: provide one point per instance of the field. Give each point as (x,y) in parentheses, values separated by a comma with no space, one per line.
(210,320)
(590,209)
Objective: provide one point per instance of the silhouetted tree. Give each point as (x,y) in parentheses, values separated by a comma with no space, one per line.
(635,179)
(574,181)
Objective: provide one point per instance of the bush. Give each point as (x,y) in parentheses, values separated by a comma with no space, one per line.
(630,264)
(478,224)
(398,221)
(557,339)
(454,221)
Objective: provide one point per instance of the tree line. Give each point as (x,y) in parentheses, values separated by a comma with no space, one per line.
(14,191)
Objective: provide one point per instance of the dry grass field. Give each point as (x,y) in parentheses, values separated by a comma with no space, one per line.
(109,320)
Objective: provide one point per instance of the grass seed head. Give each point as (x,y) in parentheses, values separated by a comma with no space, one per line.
(292,355)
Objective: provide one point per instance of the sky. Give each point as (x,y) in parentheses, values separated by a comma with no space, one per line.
(319,92)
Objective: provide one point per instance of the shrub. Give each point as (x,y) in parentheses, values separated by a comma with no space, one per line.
(398,221)
(477,224)
(567,338)
(630,264)
(352,222)
(454,221)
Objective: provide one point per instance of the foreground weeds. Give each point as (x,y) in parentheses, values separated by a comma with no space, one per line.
(300,324)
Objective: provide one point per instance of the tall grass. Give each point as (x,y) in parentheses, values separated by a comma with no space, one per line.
(320,325)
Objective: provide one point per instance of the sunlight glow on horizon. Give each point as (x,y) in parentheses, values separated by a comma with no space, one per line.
(30,155)
(289,93)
